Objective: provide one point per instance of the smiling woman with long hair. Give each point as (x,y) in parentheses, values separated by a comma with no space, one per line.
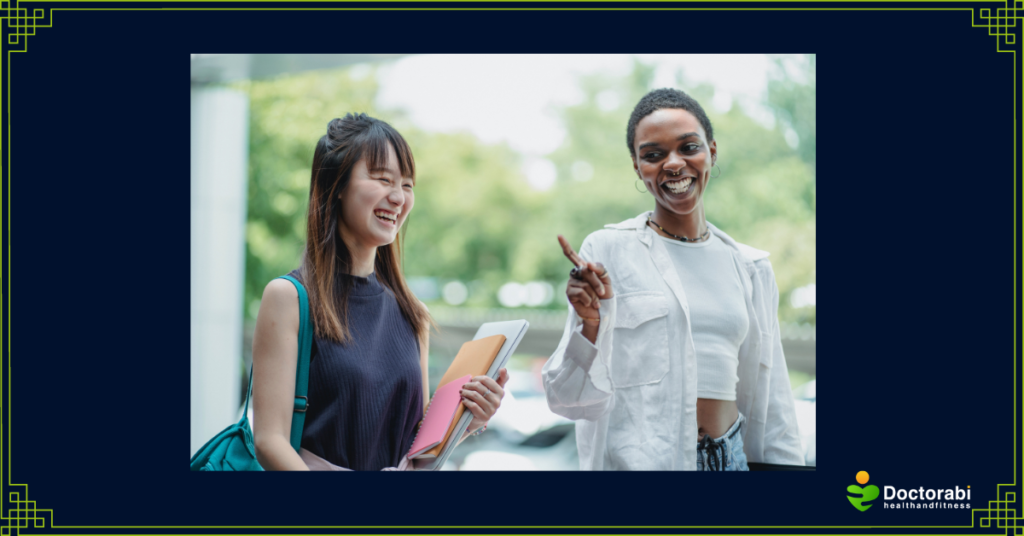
(368,382)
(681,366)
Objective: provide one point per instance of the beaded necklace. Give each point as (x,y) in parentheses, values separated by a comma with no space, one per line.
(701,238)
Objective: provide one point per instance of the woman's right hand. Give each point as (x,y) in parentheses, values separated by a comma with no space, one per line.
(585,294)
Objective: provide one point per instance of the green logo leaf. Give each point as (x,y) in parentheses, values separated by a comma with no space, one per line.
(867,494)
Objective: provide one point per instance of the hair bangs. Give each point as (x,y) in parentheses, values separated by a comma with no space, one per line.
(378,138)
(406,163)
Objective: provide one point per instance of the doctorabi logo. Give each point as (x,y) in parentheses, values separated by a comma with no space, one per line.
(863,495)
(920,498)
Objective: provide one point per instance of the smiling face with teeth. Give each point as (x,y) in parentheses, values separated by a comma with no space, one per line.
(374,205)
(674,159)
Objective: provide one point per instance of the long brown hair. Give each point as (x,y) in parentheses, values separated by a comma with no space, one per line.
(347,141)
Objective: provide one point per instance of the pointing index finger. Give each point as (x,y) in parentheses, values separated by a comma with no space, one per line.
(569,253)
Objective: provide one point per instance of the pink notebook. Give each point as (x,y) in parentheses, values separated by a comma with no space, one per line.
(439,416)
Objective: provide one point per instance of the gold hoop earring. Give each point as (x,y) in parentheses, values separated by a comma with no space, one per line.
(638,188)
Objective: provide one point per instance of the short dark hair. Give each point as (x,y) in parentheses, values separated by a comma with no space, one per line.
(657,99)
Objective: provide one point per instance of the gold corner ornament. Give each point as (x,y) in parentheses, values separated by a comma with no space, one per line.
(20,23)
(1001,23)
(19,513)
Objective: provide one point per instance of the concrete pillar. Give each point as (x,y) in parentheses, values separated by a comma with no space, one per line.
(220,143)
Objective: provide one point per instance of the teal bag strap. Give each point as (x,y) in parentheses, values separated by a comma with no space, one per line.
(248,395)
(302,370)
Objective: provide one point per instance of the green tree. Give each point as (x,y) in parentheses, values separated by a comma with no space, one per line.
(287,116)
(472,206)
(764,196)
(791,92)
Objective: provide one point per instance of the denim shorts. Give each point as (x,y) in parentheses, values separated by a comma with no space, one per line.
(724,453)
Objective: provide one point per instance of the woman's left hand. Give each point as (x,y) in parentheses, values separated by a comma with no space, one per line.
(482,397)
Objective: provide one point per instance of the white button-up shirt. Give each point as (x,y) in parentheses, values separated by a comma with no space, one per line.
(634,392)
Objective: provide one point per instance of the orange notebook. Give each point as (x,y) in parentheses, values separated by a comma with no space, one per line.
(474,358)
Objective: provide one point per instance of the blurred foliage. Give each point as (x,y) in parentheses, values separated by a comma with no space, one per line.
(472,208)
(476,218)
(791,92)
(764,197)
(287,117)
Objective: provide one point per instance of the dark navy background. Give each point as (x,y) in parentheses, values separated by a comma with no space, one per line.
(915,190)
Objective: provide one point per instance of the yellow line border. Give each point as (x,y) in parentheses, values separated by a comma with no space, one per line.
(5,197)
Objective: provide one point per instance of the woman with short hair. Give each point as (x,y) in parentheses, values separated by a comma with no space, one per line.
(681,366)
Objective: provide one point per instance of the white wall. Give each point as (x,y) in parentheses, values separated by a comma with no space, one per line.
(220,127)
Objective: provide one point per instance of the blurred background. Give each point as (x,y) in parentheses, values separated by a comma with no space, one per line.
(510,151)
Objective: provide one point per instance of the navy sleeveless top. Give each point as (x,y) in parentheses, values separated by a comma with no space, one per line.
(365,396)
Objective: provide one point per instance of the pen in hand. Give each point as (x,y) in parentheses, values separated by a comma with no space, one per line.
(593,275)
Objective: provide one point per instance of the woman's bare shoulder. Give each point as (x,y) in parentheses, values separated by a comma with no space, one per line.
(280,301)
(280,288)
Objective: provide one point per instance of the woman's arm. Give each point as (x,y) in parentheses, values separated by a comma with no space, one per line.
(425,373)
(425,362)
(577,377)
(275,356)
(781,435)
(588,285)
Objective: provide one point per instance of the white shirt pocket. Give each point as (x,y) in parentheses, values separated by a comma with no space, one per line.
(640,340)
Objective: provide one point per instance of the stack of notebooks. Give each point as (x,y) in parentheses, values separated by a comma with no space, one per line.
(447,419)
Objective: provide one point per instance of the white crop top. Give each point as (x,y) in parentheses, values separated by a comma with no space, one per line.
(718,312)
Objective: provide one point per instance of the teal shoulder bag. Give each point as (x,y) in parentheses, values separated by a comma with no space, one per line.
(233,449)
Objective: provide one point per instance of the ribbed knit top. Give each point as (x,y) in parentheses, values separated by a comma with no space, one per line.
(718,312)
(365,396)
